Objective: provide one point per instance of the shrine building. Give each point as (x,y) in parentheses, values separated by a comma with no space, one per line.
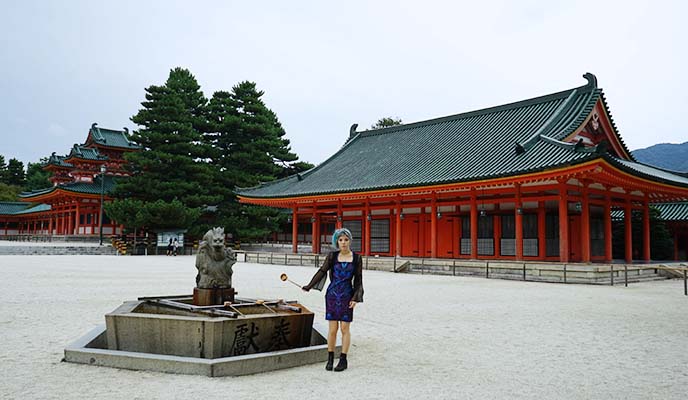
(71,207)
(537,179)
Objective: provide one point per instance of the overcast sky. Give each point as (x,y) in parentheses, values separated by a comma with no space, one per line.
(324,66)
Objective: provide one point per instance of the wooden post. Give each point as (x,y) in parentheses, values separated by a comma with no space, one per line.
(518,211)
(397,234)
(585,224)
(629,232)
(497,237)
(646,230)
(77,217)
(366,236)
(608,229)
(542,227)
(563,223)
(474,225)
(294,231)
(314,232)
(433,226)
(340,215)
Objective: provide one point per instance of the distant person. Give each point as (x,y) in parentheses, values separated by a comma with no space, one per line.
(175,246)
(345,290)
(170,247)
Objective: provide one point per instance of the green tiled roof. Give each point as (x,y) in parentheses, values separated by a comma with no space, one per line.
(12,207)
(507,140)
(672,211)
(654,173)
(35,209)
(86,153)
(112,138)
(58,160)
(76,187)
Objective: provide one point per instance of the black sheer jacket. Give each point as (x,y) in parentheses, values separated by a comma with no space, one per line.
(318,281)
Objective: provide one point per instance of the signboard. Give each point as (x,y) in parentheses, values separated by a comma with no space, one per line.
(165,236)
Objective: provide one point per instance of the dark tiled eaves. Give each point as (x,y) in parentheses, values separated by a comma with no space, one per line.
(111,138)
(86,153)
(672,211)
(652,173)
(35,209)
(58,161)
(76,187)
(12,207)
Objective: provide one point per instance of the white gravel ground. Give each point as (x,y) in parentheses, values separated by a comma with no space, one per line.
(13,243)
(415,337)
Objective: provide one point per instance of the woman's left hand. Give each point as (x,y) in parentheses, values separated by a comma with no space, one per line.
(352,304)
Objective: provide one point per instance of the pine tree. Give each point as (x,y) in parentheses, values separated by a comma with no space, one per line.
(249,148)
(172,164)
(15,173)
(386,122)
(3,170)
(36,177)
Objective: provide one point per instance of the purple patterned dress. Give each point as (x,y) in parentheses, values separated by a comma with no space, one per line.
(339,293)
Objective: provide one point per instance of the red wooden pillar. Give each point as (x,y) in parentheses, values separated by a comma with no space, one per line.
(497,237)
(563,223)
(585,224)
(50,224)
(77,216)
(646,230)
(628,232)
(518,210)
(70,224)
(315,240)
(474,225)
(608,229)
(397,234)
(675,244)
(433,226)
(294,231)
(366,236)
(340,216)
(542,226)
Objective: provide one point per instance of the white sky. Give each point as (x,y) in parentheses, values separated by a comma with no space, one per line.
(324,66)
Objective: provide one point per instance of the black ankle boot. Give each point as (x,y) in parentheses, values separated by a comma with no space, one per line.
(330,360)
(341,366)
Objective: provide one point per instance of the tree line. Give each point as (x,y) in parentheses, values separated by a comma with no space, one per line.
(14,178)
(195,152)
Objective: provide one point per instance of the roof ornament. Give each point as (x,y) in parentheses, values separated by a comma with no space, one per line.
(352,131)
(579,145)
(126,131)
(299,177)
(93,125)
(519,149)
(592,79)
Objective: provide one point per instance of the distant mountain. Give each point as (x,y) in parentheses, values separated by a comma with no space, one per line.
(665,155)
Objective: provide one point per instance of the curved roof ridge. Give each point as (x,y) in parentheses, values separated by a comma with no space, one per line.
(479,112)
(553,119)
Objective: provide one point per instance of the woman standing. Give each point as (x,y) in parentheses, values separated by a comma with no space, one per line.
(344,292)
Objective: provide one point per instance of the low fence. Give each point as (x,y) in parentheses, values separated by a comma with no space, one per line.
(595,274)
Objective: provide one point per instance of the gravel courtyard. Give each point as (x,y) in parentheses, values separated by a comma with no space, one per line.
(415,337)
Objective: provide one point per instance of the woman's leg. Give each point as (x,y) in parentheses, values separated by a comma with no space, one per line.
(346,336)
(332,335)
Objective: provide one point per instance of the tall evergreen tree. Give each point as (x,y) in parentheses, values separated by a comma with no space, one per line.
(249,148)
(172,164)
(36,177)
(3,169)
(15,173)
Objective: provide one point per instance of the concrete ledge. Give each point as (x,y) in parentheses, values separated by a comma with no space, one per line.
(91,349)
